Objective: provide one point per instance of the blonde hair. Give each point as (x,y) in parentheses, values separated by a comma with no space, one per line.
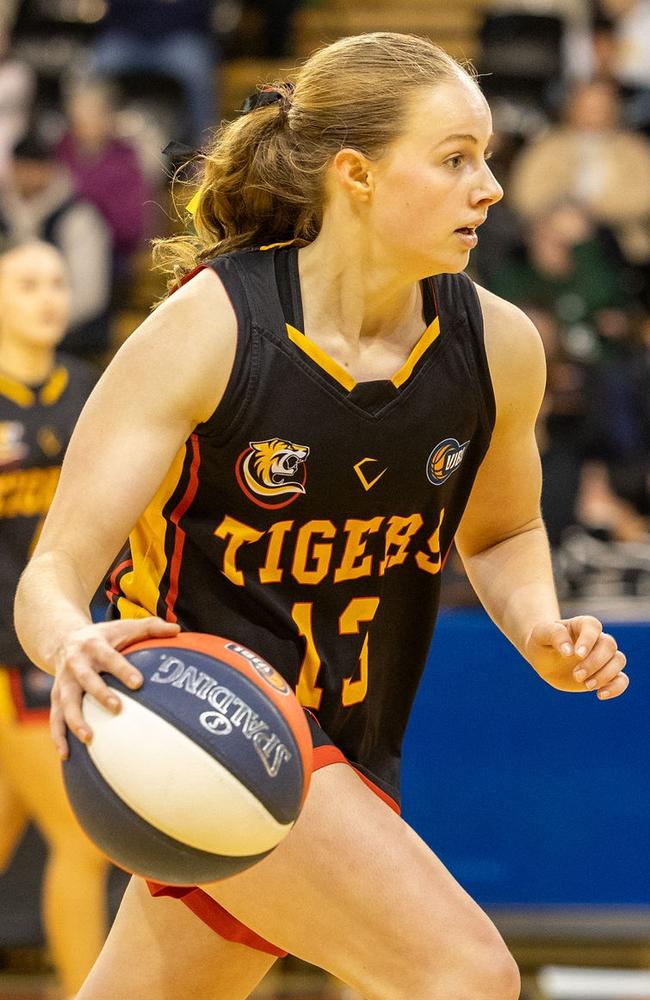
(263,176)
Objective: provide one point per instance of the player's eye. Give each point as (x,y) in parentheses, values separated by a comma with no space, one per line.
(455,161)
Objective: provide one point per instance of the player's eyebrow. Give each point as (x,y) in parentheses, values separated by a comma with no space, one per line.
(459,136)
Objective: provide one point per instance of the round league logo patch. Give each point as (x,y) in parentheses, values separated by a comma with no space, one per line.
(444,460)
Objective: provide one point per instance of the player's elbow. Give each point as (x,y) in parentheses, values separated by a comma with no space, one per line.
(471,545)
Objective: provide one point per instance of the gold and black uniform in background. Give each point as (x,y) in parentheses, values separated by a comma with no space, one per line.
(36,423)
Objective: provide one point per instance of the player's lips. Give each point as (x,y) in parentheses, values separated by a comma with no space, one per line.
(468,233)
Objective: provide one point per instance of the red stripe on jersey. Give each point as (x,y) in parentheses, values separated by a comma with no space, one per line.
(446,555)
(113,589)
(188,277)
(179,538)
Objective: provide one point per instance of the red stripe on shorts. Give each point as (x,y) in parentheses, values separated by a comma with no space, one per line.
(215,916)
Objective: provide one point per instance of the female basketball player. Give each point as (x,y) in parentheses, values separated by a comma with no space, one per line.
(297,435)
(41,395)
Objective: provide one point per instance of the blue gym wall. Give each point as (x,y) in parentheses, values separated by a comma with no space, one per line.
(529,795)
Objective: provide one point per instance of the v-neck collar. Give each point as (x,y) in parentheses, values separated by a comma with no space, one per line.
(26,396)
(289,294)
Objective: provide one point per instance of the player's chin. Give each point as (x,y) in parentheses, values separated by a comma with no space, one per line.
(47,334)
(455,264)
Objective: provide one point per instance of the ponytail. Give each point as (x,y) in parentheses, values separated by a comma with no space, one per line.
(263,175)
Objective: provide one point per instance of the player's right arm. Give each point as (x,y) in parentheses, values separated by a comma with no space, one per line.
(168,377)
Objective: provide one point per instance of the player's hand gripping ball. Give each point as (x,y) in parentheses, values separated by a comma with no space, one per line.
(203,771)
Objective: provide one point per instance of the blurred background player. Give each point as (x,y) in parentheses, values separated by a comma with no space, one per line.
(38,201)
(41,395)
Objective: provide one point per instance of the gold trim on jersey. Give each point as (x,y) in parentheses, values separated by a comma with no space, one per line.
(22,395)
(322,359)
(140,586)
(343,377)
(273,246)
(16,392)
(431,333)
(54,387)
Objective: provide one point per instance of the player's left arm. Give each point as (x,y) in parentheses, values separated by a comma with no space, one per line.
(502,539)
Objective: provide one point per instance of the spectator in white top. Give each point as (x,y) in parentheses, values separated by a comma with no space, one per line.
(592,159)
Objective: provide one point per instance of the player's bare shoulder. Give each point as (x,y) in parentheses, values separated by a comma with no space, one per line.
(189,340)
(515,353)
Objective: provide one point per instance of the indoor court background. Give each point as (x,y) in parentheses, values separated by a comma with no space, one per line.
(536,801)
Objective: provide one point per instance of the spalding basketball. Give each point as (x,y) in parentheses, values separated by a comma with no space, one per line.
(203,771)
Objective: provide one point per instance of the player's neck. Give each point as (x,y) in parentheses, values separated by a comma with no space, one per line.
(24,362)
(348,286)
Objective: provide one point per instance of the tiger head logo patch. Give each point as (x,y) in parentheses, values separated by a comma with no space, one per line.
(272,473)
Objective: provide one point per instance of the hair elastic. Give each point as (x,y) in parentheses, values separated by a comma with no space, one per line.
(267,96)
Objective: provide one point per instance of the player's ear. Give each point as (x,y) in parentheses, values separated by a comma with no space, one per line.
(353,172)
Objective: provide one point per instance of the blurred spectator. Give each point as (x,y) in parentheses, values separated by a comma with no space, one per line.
(104,168)
(501,235)
(602,511)
(8,13)
(568,271)
(607,553)
(278,22)
(576,38)
(561,429)
(38,201)
(17,88)
(630,20)
(624,45)
(172,38)
(520,56)
(590,157)
(597,404)
(618,426)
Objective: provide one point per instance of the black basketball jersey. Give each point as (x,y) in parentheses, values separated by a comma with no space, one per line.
(309,518)
(36,423)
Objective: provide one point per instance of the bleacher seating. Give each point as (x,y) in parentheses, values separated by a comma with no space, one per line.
(456,27)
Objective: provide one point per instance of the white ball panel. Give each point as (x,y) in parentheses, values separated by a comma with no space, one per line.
(174,784)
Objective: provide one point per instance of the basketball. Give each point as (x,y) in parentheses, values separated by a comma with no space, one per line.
(204,770)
